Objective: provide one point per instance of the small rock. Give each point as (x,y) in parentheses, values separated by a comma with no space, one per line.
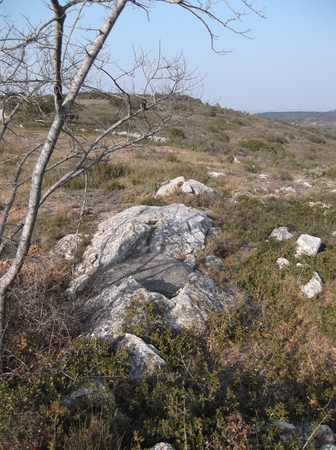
(321,204)
(171,187)
(303,183)
(328,447)
(190,261)
(93,391)
(143,358)
(313,287)
(283,262)
(308,245)
(217,174)
(192,187)
(236,160)
(214,261)
(65,247)
(287,189)
(281,234)
(325,436)
(285,426)
(195,188)
(162,446)
(333,233)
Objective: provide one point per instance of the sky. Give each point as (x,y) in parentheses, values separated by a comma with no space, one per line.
(288,64)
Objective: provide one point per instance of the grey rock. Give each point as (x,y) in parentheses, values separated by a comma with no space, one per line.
(65,247)
(217,174)
(192,187)
(190,261)
(147,242)
(281,234)
(319,204)
(191,308)
(170,187)
(196,188)
(94,391)
(283,262)
(144,358)
(303,183)
(162,446)
(324,436)
(109,312)
(307,245)
(321,436)
(144,258)
(214,262)
(285,427)
(313,287)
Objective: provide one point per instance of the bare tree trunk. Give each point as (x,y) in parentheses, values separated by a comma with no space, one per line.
(49,145)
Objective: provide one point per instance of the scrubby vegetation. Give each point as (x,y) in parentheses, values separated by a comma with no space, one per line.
(269,357)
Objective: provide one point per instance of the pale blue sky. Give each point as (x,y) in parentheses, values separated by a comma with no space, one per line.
(290,64)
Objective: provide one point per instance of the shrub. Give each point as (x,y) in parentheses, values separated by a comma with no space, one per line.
(171,158)
(316,139)
(331,172)
(317,172)
(255,145)
(177,133)
(285,176)
(224,137)
(277,139)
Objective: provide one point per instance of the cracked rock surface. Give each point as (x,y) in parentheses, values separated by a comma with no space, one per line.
(140,259)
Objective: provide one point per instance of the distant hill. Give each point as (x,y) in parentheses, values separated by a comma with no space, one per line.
(325,122)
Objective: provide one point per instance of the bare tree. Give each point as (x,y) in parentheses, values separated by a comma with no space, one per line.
(47,60)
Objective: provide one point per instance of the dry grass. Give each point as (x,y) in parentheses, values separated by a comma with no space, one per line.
(274,351)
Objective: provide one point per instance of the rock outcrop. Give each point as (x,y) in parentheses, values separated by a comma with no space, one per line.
(143,260)
(150,243)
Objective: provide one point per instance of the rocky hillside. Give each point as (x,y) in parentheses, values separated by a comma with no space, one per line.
(194,307)
(323,121)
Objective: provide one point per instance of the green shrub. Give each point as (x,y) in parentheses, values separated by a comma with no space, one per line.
(317,172)
(177,133)
(171,158)
(316,139)
(255,145)
(224,137)
(331,172)
(277,139)
(285,176)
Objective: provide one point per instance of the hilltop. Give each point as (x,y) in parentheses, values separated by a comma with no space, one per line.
(324,121)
